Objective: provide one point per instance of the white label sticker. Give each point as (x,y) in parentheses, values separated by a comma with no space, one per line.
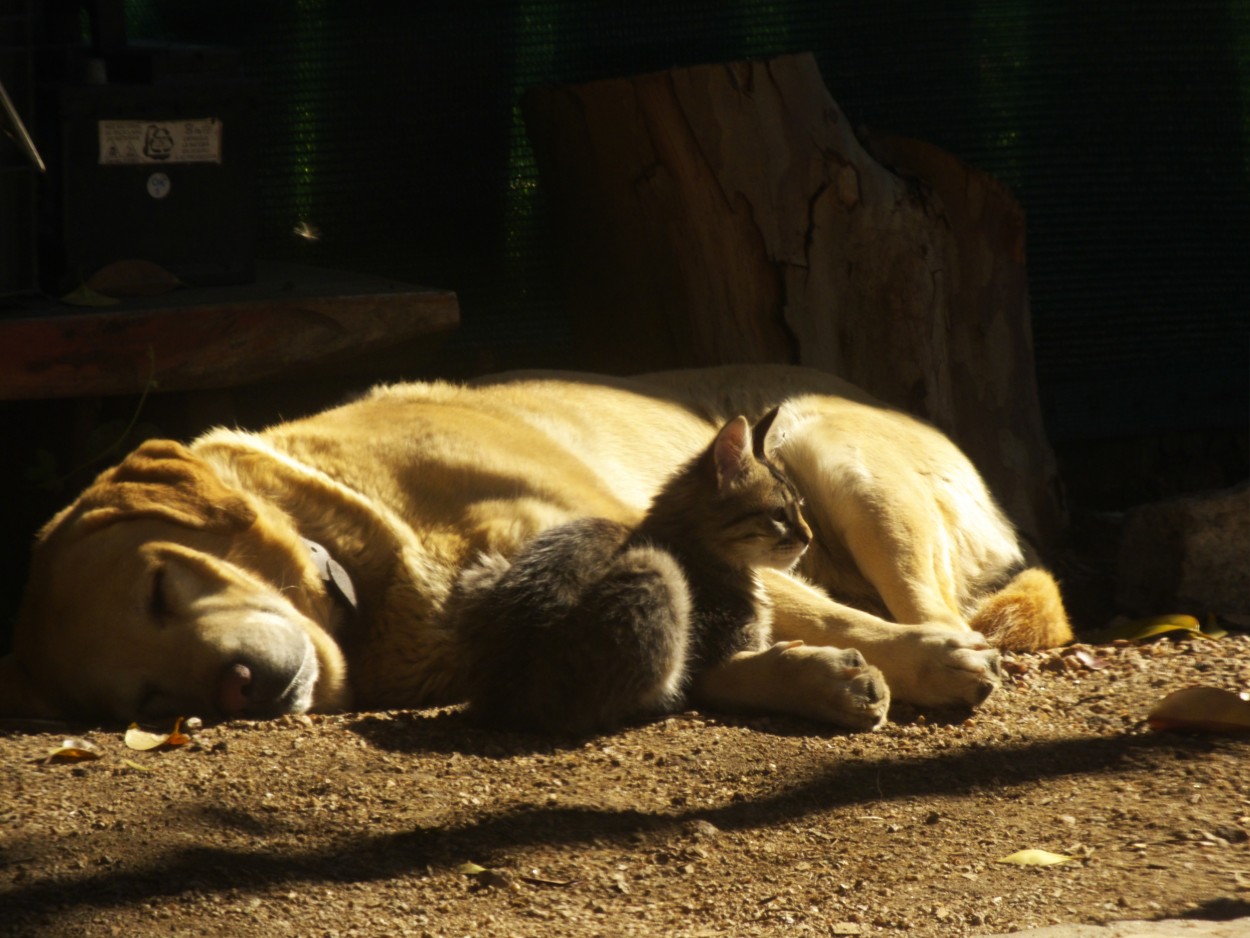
(127,143)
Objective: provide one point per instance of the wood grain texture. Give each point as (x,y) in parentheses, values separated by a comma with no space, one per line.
(731,213)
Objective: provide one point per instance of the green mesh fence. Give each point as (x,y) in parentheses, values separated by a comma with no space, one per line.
(1123,128)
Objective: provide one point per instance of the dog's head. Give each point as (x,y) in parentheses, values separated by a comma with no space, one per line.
(162,591)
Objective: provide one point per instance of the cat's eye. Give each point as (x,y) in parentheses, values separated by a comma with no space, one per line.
(780,515)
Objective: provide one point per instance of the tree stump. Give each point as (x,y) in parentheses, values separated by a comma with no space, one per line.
(729,213)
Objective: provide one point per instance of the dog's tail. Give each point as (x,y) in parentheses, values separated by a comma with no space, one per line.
(1026,614)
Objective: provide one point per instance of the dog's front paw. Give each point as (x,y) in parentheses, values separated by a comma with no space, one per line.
(834,685)
(940,666)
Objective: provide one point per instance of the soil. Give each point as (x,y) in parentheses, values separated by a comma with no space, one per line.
(416,823)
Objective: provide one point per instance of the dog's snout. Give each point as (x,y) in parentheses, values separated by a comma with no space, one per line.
(258,686)
(234,689)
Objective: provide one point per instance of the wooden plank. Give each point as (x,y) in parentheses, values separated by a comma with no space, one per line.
(291,319)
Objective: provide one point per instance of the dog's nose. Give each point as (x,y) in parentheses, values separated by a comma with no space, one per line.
(234,689)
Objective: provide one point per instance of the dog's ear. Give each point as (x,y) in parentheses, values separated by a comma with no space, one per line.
(17,694)
(162,479)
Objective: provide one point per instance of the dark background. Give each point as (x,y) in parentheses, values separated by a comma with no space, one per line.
(1122,127)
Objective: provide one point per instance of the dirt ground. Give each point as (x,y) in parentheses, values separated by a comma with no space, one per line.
(414,823)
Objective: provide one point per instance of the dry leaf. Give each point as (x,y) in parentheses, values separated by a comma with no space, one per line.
(133,278)
(1092,662)
(1208,709)
(1034,857)
(176,736)
(83,295)
(535,880)
(72,750)
(1213,627)
(135,765)
(142,740)
(1143,630)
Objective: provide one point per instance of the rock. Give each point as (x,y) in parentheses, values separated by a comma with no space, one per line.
(702,830)
(1187,555)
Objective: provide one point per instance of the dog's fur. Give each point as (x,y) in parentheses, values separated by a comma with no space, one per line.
(178,582)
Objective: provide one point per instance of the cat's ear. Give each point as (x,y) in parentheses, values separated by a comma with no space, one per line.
(773,429)
(731,451)
(759,433)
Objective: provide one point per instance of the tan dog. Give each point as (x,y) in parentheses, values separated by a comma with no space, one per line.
(180,582)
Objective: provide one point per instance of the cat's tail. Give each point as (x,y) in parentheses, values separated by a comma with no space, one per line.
(1026,614)
(582,654)
(642,606)
(483,573)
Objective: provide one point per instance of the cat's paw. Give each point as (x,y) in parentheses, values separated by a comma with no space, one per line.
(834,685)
(941,666)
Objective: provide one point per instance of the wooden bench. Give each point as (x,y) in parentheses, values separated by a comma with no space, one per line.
(292,321)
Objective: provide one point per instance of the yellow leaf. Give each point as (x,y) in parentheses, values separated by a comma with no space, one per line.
(135,765)
(73,750)
(143,740)
(1207,709)
(471,869)
(1034,857)
(1212,628)
(1142,630)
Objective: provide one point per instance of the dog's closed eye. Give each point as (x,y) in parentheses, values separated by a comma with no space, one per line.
(158,601)
(155,704)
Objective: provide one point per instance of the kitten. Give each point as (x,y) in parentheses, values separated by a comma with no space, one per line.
(594,624)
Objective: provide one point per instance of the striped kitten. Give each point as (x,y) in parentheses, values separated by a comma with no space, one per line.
(595,624)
